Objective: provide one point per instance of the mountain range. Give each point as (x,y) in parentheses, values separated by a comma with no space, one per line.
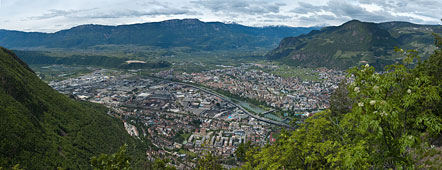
(170,33)
(43,129)
(343,46)
(354,43)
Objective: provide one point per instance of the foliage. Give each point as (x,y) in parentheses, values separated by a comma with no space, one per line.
(309,147)
(208,161)
(161,164)
(340,102)
(179,137)
(116,161)
(242,149)
(433,68)
(43,129)
(391,111)
(15,167)
(196,122)
(121,161)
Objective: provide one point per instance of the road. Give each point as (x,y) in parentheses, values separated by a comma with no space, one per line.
(230,101)
(237,105)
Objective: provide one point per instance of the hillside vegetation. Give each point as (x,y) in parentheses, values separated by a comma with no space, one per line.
(355,43)
(40,58)
(43,129)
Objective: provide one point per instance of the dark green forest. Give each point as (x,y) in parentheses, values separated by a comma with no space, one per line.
(43,129)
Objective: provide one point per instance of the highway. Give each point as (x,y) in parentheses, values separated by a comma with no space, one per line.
(237,105)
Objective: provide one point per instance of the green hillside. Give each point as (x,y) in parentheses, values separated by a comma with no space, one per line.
(38,57)
(353,43)
(43,129)
(191,33)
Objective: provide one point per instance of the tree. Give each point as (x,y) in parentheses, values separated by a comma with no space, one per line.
(209,162)
(116,161)
(397,109)
(311,146)
(242,149)
(340,102)
(433,68)
(161,164)
(15,167)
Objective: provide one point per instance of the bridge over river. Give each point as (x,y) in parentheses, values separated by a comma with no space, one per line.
(278,123)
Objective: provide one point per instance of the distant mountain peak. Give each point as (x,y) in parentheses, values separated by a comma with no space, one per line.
(355,24)
(183,21)
(353,21)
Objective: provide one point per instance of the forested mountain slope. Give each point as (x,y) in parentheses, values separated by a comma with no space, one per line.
(354,43)
(191,33)
(43,129)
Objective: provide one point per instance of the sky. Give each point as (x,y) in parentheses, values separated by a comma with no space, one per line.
(55,15)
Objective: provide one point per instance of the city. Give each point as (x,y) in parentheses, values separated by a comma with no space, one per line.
(182,120)
(179,120)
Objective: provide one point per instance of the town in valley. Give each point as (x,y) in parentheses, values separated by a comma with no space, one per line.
(183,115)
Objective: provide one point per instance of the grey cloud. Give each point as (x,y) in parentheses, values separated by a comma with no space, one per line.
(401,4)
(277,16)
(384,3)
(428,15)
(248,7)
(421,3)
(135,13)
(429,8)
(327,17)
(343,9)
(305,8)
(150,3)
(57,13)
(390,10)
(95,13)
(321,19)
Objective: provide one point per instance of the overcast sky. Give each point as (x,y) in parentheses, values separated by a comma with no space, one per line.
(54,15)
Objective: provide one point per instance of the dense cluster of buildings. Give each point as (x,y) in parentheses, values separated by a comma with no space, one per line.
(179,120)
(290,93)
